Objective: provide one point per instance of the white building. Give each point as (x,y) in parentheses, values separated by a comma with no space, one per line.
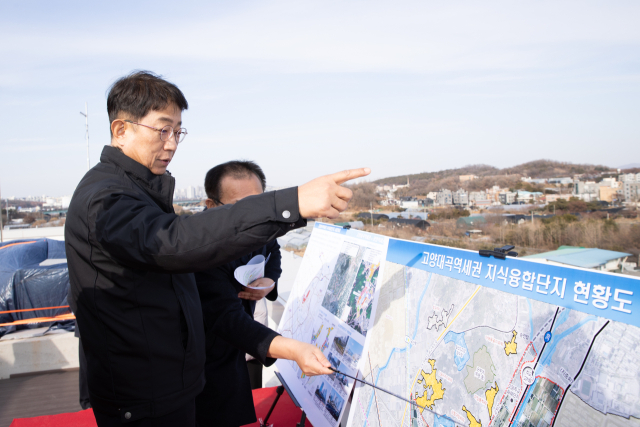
(507,197)
(629,177)
(408,204)
(461,198)
(57,202)
(534,180)
(631,191)
(610,182)
(478,196)
(588,191)
(564,180)
(444,197)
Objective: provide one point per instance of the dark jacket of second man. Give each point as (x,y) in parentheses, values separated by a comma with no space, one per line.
(226,400)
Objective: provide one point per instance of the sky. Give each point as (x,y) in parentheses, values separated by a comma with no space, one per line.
(310,88)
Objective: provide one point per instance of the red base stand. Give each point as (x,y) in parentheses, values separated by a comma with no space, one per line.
(72,419)
(285,413)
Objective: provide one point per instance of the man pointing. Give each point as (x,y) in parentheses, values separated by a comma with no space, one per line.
(131,260)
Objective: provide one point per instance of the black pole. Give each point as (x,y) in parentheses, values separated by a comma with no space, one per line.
(279,392)
(303,420)
(411,402)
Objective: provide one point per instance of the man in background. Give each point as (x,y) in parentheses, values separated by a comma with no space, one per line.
(225,184)
(226,400)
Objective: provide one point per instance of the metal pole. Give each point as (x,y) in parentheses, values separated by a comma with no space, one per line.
(371,212)
(411,402)
(86,124)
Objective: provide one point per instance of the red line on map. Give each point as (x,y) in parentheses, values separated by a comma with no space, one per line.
(528,361)
(514,375)
(555,412)
(423,420)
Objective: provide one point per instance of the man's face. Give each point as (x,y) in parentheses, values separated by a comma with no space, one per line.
(234,189)
(143,144)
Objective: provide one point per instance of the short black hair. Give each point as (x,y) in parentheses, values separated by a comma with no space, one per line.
(140,92)
(238,169)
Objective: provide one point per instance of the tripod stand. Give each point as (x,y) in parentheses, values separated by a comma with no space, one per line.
(279,391)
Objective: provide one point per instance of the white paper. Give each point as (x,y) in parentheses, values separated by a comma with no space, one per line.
(253,270)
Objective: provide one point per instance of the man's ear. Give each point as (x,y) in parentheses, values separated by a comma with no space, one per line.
(210,204)
(117,133)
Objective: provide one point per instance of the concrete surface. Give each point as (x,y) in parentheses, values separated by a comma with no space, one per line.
(55,233)
(35,395)
(37,354)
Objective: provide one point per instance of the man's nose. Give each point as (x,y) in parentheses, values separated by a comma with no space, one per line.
(170,144)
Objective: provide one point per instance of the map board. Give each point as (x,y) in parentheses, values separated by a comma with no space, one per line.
(489,342)
(332,306)
(477,341)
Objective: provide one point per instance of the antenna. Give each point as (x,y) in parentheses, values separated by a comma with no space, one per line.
(86,124)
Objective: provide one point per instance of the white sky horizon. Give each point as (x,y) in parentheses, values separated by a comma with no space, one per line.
(306,89)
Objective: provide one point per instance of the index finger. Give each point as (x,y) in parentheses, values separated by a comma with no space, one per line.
(344,176)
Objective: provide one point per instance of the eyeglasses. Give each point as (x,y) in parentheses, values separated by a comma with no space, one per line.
(166,132)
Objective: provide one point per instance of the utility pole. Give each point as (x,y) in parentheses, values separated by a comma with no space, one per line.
(86,124)
(371,212)
(636,198)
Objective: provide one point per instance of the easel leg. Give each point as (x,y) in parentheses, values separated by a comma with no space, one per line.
(303,420)
(279,392)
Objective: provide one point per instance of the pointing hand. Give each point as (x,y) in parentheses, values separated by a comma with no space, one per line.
(324,197)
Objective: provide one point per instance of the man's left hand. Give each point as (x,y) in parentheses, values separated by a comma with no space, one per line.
(257,294)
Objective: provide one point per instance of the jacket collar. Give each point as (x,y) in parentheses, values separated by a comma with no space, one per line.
(159,187)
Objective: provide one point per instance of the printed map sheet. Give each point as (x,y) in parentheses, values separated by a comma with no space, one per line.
(332,306)
(487,342)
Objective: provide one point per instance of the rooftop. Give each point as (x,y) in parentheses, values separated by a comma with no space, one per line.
(580,257)
(470,220)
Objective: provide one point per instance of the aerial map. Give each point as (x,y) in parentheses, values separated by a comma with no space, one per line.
(352,286)
(332,306)
(471,355)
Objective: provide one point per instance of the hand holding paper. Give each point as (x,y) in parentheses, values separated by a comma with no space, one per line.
(258,289)
(254,270)
(252,276)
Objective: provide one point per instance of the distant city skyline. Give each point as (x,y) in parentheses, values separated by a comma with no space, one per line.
(198,191)
(307,89)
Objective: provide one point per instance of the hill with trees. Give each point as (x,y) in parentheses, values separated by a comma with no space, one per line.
(488,176)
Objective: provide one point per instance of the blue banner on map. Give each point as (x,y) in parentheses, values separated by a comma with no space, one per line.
(602,294)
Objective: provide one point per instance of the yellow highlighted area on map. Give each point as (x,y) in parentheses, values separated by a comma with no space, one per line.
(472,420)
(491,396)
(372,270)
(511,347)
(314,337)
(430,381)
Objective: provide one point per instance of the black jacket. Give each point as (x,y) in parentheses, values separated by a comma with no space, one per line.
(227,400)
(130,261)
